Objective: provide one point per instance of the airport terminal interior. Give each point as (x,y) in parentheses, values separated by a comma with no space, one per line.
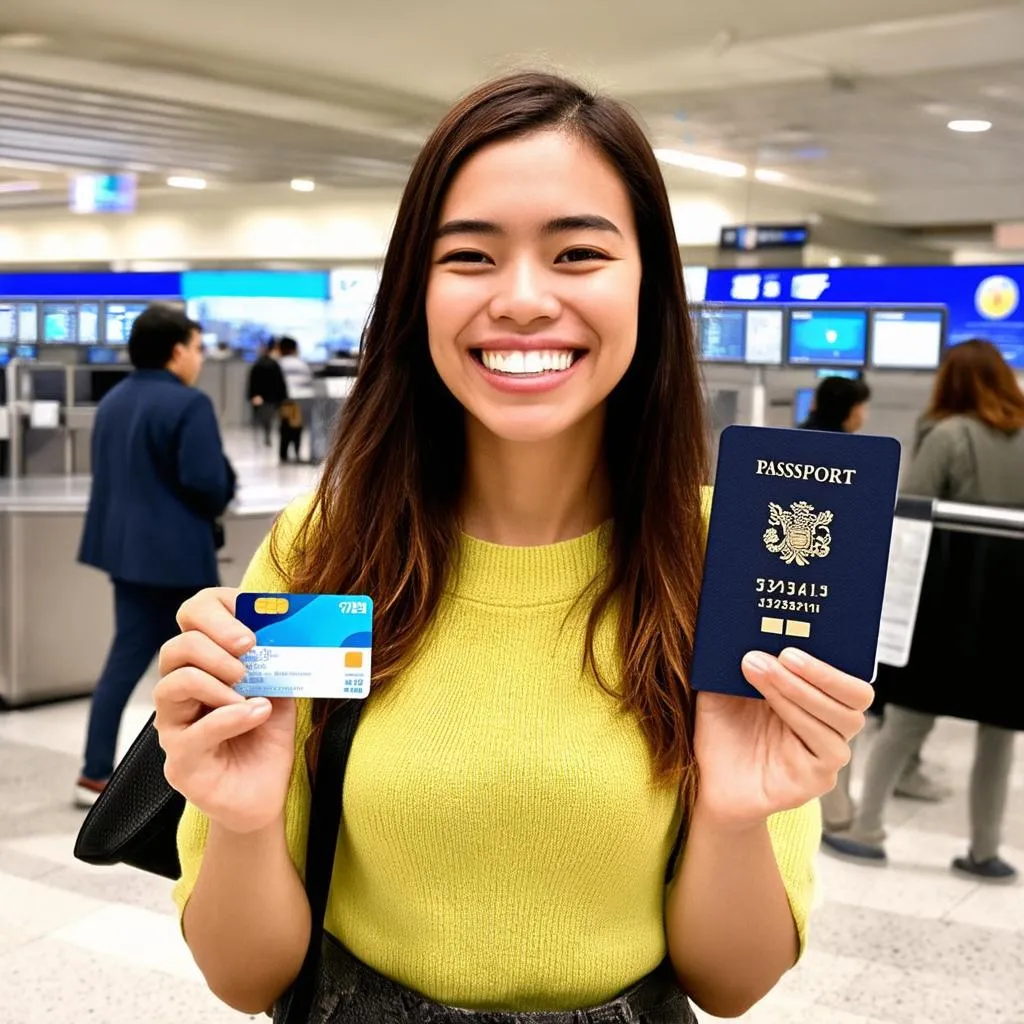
(846,182)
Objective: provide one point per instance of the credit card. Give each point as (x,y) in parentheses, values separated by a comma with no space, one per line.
(797,551)
(307,645)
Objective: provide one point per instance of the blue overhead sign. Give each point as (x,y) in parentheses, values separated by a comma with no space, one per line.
(981,302)
(91,286)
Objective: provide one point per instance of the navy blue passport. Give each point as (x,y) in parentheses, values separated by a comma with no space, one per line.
(798,548)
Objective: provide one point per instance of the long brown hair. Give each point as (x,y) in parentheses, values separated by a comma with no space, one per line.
(975,380)
(384,520)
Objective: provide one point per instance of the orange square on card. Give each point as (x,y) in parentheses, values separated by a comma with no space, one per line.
(353,659)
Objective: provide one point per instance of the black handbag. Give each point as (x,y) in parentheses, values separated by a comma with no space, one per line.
(135,819)
(135,822)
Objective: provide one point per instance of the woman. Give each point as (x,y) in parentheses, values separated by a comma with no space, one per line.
(840,405)
(970,448)
(517,483)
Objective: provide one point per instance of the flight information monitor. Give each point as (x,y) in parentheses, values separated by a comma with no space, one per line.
(740,336)
(828,337)
(906,339)
(802,402)
(28,322)
(8,322)
(60,323)
(88,323)
(120,316)
(765,332)
(722,333)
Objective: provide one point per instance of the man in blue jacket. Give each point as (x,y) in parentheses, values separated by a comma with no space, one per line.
(160,482)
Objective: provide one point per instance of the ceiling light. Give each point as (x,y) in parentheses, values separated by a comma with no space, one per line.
(705,164)
(835,261)
(181,181)
(23,40)
(969,125)
(770,177)
(303,185)
(20,186)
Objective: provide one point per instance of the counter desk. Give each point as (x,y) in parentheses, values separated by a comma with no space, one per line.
(57,616)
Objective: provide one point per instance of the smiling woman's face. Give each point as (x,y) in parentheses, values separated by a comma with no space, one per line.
(534,286)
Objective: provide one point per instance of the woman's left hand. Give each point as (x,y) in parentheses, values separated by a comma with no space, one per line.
(756,757)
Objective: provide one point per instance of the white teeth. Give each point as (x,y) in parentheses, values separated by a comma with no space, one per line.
(533,361)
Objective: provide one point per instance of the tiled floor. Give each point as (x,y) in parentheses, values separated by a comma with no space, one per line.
(908,944)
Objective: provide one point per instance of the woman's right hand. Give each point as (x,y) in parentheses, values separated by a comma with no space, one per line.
(228,756)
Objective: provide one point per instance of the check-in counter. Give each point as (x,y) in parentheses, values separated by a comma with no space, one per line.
(56,616)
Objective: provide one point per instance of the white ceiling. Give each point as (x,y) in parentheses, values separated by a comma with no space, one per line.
(848,98)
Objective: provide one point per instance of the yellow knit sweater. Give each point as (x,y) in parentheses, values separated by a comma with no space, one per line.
(503,844)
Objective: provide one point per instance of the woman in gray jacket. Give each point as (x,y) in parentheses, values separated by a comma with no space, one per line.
(969,448)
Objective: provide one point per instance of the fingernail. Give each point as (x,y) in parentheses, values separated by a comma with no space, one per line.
(757,662)
(794,657)
(243,643)
(257,705)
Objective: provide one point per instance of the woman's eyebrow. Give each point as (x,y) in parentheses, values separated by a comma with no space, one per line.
(557,226)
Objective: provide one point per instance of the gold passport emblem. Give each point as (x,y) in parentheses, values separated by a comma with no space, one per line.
(805,533)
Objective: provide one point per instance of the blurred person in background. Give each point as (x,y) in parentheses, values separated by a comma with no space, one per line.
(841,404)
(267,389)
(969,448)
(160,481)
(298,378)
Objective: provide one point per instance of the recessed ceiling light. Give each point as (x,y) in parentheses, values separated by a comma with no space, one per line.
(769,177)
(181,181)
(969,125)
(303,185)
(20,186)
(706,164)
(23,40)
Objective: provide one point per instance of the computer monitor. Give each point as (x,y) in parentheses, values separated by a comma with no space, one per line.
(28,322)
(722,333)
(802,402)
(101,382)
(119,318)
(97,355)
(740,335)
(60,323)
(5,354)
(27,353)
(88,323)
(837,371)
(8,322)
(907,339)
(766,329)
(828,337)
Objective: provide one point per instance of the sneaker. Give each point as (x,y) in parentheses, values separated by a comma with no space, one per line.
(851,849)
(995,869)
(87,792)
(915,785)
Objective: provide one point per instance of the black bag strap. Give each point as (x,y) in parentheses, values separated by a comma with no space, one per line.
(322,841)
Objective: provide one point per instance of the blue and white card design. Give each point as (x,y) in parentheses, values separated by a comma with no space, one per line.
(307,645)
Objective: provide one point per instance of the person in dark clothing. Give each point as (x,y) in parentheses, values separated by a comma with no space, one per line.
(298,379)
(160,483)
(267,390)
(840,405)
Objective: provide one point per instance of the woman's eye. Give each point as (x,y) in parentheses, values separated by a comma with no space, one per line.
(465,256)
(580,255)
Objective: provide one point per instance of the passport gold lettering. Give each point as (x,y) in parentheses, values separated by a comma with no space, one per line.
(805,471)
(791,588)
